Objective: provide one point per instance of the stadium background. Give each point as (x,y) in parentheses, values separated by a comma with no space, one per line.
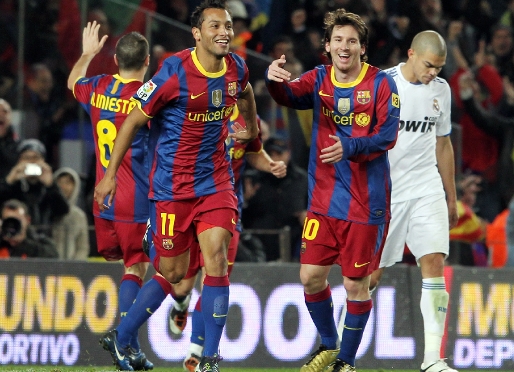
(52,312)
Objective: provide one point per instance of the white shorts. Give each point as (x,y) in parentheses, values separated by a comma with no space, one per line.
(420,223)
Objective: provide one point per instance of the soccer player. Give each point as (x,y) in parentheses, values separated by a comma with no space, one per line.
(120,228)
(355,121)
(239,154)
(422,171)
(190,100)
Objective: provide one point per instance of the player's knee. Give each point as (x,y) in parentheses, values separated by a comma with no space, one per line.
(173,276)
(138,269)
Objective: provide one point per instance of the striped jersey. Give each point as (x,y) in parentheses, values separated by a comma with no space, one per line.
(107,99)
(425,115)
(236,153)
(364,114)
(190,109)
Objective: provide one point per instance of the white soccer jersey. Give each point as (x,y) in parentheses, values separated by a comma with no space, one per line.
(424,114)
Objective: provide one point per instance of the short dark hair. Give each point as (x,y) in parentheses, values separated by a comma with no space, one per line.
(197,17)
(15,204)
(131,51)
(340,17)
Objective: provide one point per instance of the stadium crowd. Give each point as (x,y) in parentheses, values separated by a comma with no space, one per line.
(480,60)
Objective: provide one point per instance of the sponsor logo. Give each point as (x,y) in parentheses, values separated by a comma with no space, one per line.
(363,96)
(146,90)
(196,96)
(233,222)
(149,311)
(352,329)
(357,265)
(167,244)
(215,315)
(343,105)
(415,126)
(217,97)
(338,119)
(232,88)
(362,119)
(208,116)
(324,94)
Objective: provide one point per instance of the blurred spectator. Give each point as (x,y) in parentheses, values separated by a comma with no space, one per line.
(70,232)
(496,240)
(277,202)
(303,48)
(510,235)
(8,49)
(480,146)
(500,47)
(8,140)
(31,181)
(507,18)
(18,238)
(46,110)
(466,236)
(494,125)
(240,23)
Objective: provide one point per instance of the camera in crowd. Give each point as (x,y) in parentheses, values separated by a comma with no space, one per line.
(11,227)
(32,169)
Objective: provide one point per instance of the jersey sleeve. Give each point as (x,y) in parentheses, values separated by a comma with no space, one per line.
(161,89)
(83,88)
(385,132)
(444,124)
(242,71)
(297,94)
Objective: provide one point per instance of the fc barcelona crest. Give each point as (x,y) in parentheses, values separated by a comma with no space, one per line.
(232,88)
(217,97)
(167,244)
(343,105)
(363,96)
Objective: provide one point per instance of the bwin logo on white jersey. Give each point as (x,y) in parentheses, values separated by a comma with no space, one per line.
(415,126)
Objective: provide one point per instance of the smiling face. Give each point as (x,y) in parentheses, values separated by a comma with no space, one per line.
(345,50)
(215,34)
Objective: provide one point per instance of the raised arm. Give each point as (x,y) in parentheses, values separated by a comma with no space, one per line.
(91,46)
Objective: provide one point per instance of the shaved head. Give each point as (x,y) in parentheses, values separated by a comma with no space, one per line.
(429,41)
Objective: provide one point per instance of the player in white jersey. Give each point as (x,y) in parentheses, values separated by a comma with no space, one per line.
(423,199)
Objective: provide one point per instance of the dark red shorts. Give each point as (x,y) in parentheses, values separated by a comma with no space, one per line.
(356,247)
(120,240)
(174,223)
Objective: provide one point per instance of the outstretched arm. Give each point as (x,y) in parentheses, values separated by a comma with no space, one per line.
(263,162)
(90,48)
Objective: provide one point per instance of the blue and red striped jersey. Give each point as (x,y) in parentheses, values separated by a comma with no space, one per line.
(236,153)
(190,109)
(107,99)
(364,114)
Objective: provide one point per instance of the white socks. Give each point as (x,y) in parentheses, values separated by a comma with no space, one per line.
(433,304)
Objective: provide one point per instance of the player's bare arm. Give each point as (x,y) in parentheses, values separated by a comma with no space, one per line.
(248,109)
(90,48)
(276,72)
(107,186)
(446,167)
(332,153)
(263,162)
